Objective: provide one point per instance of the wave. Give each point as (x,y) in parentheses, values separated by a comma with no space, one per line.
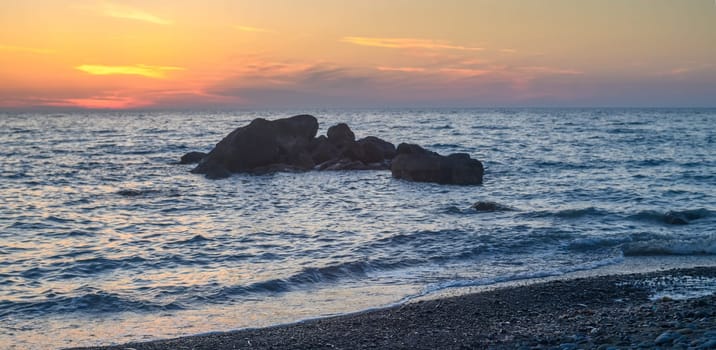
(569,213)
(672,217)
(86,300)
(198,239)
(128,192)
(703,246)
(80,267)
(682,217)
(564,165)
(304,278)
(136,193)
(590,244)
(436,287)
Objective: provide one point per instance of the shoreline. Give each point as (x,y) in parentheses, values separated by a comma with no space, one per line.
(561,311)
(630,265)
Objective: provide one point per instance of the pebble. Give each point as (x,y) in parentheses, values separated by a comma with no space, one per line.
(568,346)
(667,337)
(685,331)
(710,344)
(646,345)
(607,347)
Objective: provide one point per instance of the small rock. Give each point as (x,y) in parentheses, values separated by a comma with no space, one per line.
(487,206)
(646,345)
(685,331)
(667,337)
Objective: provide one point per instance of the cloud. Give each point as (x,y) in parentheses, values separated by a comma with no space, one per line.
(466,72)
(265,83)
(467,81)
(406,43)
(550,70)
(304,77)
(126,12)
(252,29)
(401,69)
(157,72)
(684,71)
(21,49)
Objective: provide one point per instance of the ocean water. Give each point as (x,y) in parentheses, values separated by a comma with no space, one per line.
(105,239)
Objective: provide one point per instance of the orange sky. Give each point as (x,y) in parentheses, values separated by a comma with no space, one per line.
(325,53)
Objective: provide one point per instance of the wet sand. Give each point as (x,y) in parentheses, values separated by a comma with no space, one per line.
(612,311)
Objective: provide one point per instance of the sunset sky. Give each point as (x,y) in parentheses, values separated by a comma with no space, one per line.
(170,54)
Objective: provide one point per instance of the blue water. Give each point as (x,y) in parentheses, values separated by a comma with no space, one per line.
(105,239)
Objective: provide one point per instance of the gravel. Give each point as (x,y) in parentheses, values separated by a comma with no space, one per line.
(605,312)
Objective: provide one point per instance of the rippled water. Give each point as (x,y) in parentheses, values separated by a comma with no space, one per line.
(104,239)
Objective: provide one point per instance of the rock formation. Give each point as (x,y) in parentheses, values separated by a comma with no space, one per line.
(290,144)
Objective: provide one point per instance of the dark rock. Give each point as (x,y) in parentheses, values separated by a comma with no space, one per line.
(216,172)
(290,145)
(387,148)
(410,148)
(192,157)
(490,206)
(259,144)
(322,150)
(340,135)
(414,163)
(301,160)
(370,150)
(365,152)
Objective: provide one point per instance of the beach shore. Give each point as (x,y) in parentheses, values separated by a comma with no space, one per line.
(612,311)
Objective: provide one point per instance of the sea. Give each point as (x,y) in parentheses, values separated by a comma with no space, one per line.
(106,239)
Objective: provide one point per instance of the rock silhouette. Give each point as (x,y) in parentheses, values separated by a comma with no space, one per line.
(290,144)
(415,163)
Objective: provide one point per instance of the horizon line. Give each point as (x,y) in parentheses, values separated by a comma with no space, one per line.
(299,108)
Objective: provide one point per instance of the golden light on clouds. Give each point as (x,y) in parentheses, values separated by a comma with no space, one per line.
(157,72)
(406,43)
(127,12)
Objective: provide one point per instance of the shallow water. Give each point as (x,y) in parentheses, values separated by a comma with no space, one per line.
(104,239)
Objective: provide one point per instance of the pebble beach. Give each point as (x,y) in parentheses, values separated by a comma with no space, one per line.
(599,312)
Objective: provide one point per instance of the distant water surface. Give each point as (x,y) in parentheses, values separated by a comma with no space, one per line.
(104,239)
